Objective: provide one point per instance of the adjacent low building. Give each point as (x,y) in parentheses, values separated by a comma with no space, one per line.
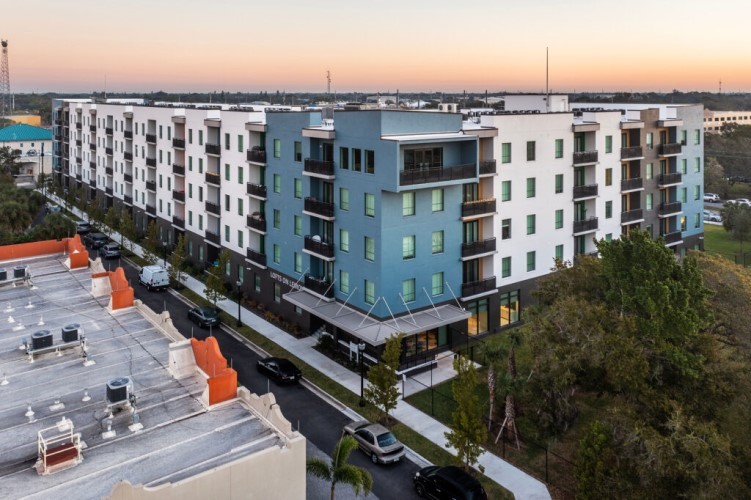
(715,120)
(32,146)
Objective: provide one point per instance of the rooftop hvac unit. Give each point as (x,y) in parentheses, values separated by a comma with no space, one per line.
(3,274)
(71,332)
(41,339)
(20,271)
(119,389)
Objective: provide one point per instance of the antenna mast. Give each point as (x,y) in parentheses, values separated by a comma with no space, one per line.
(720,86)
(328,82)
(547,87)
(6,104)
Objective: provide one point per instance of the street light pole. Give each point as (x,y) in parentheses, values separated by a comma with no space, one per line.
(239,302)
(164,246)
(361,351)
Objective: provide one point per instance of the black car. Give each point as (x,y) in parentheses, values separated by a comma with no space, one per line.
(96,240)
(280,369)
(449,482)
(204,316)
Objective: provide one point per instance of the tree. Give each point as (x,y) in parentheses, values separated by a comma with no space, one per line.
(111,221)
(150,243)
(736,218)
(127,230)
(510,387)
(493,353)
(339,471)
(9,164)
(383,391)
(95,211)
(215,290)
(467,431)
(177,262)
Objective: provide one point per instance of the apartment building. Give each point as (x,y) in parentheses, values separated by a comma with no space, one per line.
(714,120)
(365,223)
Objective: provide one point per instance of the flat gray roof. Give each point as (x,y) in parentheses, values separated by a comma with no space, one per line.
(180,437)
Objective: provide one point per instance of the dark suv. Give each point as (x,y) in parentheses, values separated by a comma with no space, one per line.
(447,482)
(96,240)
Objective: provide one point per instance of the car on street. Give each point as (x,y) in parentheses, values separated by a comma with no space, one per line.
(376,441)
(280,369)
(110,251)
(95,240)
(51,208)
(204,316)
(154,277)
(739,201)
(83,227)
(711,198)
(448,482)
(711,216)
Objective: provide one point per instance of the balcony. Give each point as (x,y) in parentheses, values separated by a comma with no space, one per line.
(92,147)
(79,143)
(319,168)
(670,179)
(213,237)
(631,153)
(108,151)
(319,286)
(478,208)
(79,125)
(178,196)
(257,190)
(587,191)
(319,208)
(108,191)
(412,176)
(129,178)
(670,149)
(669,209)
(585,157)
(672,238)
(585,225)
(631,216)
(487,167)
(92,128)
(177,221)
(178,169)
(256,258)
(151,162)
(108,170)
(128,134)
(128,199)
(108,130)
(474,288)
(632,184)
(478,248)
(151,138)
(151,186)
(79,177)
(78,160)
(92,183)
(213,149)
(212,178)
(213,208)
(313,244)
(151,209)
(178,143)
(257,222)
(257,155)
(128,156)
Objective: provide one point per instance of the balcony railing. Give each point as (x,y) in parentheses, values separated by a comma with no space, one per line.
(427,175)
(108,170)
(670,149)
(128,199)
(477,287)
(178,169)
(631,184)
(632,215)
(315,245)
(151,138)
(322,208)
(257,155)
(257,190)
(478,247)
(108,151)
(212,178)
(178,195)
(319,285)
(256,257)
(92,183)
(128,156)
(128,134)
(586,225)
(78,160)
(151,209)
(79,177)
(108,191)
(671,178)
(256,221)
(79,125)
(631,152)
(128,178)
(320,167)
(178,143)
(478,207)
(666,209)
(151,162)
(581,157)
(674,237)
(487,167)
(213,237)
(79,142)
(213,208)
(151,186)
(588,191)
(213,149)
(177,221)
(108,130)
(92,128)
(92,147)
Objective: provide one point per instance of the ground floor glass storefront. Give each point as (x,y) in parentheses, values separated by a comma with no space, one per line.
(419,343)
(510,306)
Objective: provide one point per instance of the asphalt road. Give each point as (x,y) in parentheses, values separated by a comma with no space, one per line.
(319,422)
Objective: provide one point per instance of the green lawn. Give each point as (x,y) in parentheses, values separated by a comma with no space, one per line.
(718,241)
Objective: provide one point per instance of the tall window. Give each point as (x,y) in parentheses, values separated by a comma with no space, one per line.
(697,164)
(408,203)
(608,143)
(559,252)
(239,143)
(697,192)
(505,229)
(277,218)
(650,170)
(648,201)
(240,175)
(369,292)
(608,176)
(697,136)
(298,225)
(559,219)
(531,261)
(277,254)
(531,223)
(356,159)
(649,139)
(369,161)
(298,151)
(344,158)
(369,205)
(684,166)
(558,183)
(505,267)
(408,290)
(423,158)
(509,307)
(298,262)
(437,242)
(437,284)
(369,249)
(506,152)
(684,194)
(697,221)
(530,150)
(684,137)
(506,191)
(344,240)
(240,207)
(277,148)
(344,198)
(531,187)
(277,183)
(437,200)
(343,281)
(408,247)
(559,148)
(608,209)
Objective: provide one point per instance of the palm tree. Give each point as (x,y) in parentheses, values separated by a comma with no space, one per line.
(511,387)
(493,352)
(339,471)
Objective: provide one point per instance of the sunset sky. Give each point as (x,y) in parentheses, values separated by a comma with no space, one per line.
(383,45)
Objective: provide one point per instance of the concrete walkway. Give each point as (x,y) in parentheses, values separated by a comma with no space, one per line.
(521,484)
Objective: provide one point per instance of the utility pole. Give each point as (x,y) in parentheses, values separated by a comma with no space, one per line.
(6,102)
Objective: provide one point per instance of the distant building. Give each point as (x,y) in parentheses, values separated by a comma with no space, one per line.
(714,120)
(32,145)
(34,120)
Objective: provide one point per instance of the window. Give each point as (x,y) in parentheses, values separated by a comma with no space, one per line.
(200,193)
(558,183)
(608,176)
(369,161)
(650,140)
(531,258)
(437,242)
(190,135)
(559,148)
(531,185)
(240,235)
(684,166)
(408,247)
(277,148)
(344,240)
(277,254)
(298,262)
(190,162)
(408,204)
(200,165)
(344,158)
(648,201)
(408,290)
(240,207)
(200,137)
(298,188)
(697,221)
(697,136)
(423,158)
(239,143)
(608,209)
(477,323)
(697,165)
(506,152)
(531,223)
(683,194)
(650,170)
(559,219)
(684,137)
(240,174)
(505,267)
(343,281)
(369,249)
(226,233)
(559,252)
(298,151)
(506,191)
(509,307)
(226,141)
(683,223)
(344,198)
(369,292)
(277,293)
(608,143)
(369,205)
(437,284)
(298,225)
(697,192)
(277,218)
(277,183)
(530,150)
(227,203)
(505,229)
(190,217)
(437,200)
(356,160)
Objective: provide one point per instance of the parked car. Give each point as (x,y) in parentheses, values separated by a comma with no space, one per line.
(110,251)
(711,198)
(204,316)
(96,240)
(280,369)
(83,227)
(449,482)
(376,440)
(154,277)
(739,201)
(712,216)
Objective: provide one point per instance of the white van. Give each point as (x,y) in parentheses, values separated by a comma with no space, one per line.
(154,277)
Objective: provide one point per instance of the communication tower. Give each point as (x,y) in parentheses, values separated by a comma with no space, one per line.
(6,105)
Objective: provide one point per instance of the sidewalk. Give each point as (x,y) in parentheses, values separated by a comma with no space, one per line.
(521,484)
